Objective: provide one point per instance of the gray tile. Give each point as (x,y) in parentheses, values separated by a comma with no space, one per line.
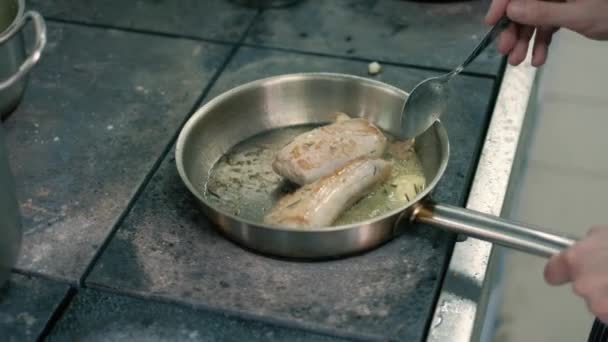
(26,304)
(571,135)
(167,248)
(98,316)
(576,67)
(100,109)
(561,199)
(420,33)
(212,19)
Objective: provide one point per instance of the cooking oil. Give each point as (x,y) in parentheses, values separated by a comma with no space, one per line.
(243,182)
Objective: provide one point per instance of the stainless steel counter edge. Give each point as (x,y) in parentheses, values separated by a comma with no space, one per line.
(461,299)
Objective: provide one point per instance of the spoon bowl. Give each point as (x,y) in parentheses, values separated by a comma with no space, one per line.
(428,101)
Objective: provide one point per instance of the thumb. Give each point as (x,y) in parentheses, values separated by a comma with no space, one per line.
(557,270)
(546,13)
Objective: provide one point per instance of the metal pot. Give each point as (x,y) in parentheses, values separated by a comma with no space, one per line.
(10,224)
(14,62)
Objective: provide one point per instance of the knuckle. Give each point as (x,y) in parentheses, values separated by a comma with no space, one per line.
(581,288)
(587,27)
(599,307)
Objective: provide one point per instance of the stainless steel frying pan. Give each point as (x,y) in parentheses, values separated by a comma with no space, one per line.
(310,98)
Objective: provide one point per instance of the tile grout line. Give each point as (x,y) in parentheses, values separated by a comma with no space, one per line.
(485,75)
(369,59)
(40,275)
(140,31)
(57,313)
(280,323)
(163,154)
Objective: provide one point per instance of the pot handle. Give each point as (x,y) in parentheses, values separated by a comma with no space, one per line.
(32,59)
(493,229)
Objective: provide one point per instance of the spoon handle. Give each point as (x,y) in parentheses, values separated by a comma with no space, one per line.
(487,40)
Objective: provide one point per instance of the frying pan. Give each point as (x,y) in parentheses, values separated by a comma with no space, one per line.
(309,98)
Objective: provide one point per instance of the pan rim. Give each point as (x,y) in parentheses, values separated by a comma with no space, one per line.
(15,22)
(226,95)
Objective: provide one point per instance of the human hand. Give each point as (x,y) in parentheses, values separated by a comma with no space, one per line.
(585,265)
(587,17)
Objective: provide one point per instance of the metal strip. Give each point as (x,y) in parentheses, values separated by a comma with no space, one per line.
(463,298)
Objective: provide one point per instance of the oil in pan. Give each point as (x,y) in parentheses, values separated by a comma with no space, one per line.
(243,182)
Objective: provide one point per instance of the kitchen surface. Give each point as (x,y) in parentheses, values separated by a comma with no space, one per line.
(114,246)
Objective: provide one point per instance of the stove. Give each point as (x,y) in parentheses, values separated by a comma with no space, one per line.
(114,242)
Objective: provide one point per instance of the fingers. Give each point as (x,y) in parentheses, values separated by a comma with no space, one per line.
(521,47)
(497,9)
(584,259)
(541,45)
(584,264)
(557,270)
(596,297)
(597,303)
(546,13)
(508,39)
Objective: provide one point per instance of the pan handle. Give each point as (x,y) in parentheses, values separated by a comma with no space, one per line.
(493,229)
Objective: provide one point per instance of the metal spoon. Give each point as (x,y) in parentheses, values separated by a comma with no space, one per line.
(429,98)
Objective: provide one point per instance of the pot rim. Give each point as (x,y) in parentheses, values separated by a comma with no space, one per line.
(17,18)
